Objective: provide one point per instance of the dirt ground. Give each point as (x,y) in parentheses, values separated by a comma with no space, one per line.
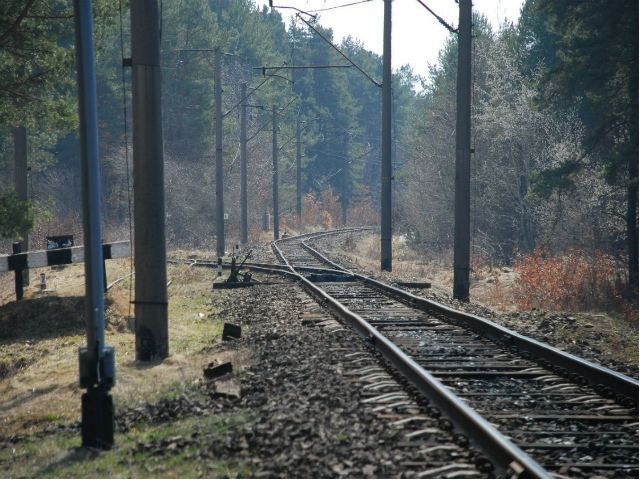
(40,337)
(294,406)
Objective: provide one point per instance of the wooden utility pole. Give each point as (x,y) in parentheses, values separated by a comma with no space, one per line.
(152,335)
(462,234)
(243,165)
(276,201)
(21,183)
(386,229)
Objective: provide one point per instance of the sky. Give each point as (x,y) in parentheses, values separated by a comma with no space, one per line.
(416,36)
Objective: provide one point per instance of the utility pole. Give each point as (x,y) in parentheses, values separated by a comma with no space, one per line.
(243,165)
(385,193)
(461,254)
(21,184)
(344,179)
(152,334)
(276,206)
(97,362)
(298,172)
(217,79)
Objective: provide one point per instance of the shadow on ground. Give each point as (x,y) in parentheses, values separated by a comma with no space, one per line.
(74,455)
(41,318)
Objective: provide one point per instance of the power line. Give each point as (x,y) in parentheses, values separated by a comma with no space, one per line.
(439,18)
(339,6)
(291,8)
(292,139)
(253,90)
(266,124)
(265,68)
(375,82)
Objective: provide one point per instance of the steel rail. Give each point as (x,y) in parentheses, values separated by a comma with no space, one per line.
(595,374)
(338,231)
(505,455)
(258,267)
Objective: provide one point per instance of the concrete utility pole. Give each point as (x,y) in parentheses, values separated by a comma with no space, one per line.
(461,254)
(217,79)
(298,172)
(276,206)
(97,364)
(243,165)
(344,203)
(386,231)
(152,334)
(21,184)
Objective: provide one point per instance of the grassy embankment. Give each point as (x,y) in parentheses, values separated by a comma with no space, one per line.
(39,340)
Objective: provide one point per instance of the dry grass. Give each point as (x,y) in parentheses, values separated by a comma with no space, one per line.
(364,250)
(40,337)
(489,284)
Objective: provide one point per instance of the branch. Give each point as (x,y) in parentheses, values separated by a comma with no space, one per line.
(18,21)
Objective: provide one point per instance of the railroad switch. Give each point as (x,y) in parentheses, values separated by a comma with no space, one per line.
(235,270)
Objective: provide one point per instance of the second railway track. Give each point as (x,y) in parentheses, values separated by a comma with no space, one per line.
(535,411)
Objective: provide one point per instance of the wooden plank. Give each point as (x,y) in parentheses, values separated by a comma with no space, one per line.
(42,258)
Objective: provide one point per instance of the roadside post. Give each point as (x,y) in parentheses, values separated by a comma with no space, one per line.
(19,282)
(97,361)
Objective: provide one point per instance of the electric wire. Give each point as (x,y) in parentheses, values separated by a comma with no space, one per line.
(266,124)
(293,8)
(251,92)
(441,20)
(375,82)
(339,6)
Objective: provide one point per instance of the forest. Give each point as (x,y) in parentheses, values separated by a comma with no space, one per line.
(554,133)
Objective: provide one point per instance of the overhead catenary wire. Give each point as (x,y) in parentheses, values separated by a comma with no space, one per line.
(290,67)
(293,139)
(335,7)
(375,82)
(251,92)
(441,20)
(268,122)
(288,7)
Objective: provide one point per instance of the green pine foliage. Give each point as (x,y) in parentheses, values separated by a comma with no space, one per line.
(586,52)
(16,216)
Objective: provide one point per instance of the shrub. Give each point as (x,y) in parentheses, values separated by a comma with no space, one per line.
(574,281)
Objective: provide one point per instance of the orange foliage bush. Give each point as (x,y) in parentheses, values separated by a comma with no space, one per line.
(573,281)
(323,209)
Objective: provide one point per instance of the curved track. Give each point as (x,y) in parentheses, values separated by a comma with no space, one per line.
(534,410)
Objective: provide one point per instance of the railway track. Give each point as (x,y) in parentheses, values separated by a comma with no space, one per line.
(535,411)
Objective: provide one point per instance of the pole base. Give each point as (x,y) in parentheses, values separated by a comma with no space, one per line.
(97,419)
